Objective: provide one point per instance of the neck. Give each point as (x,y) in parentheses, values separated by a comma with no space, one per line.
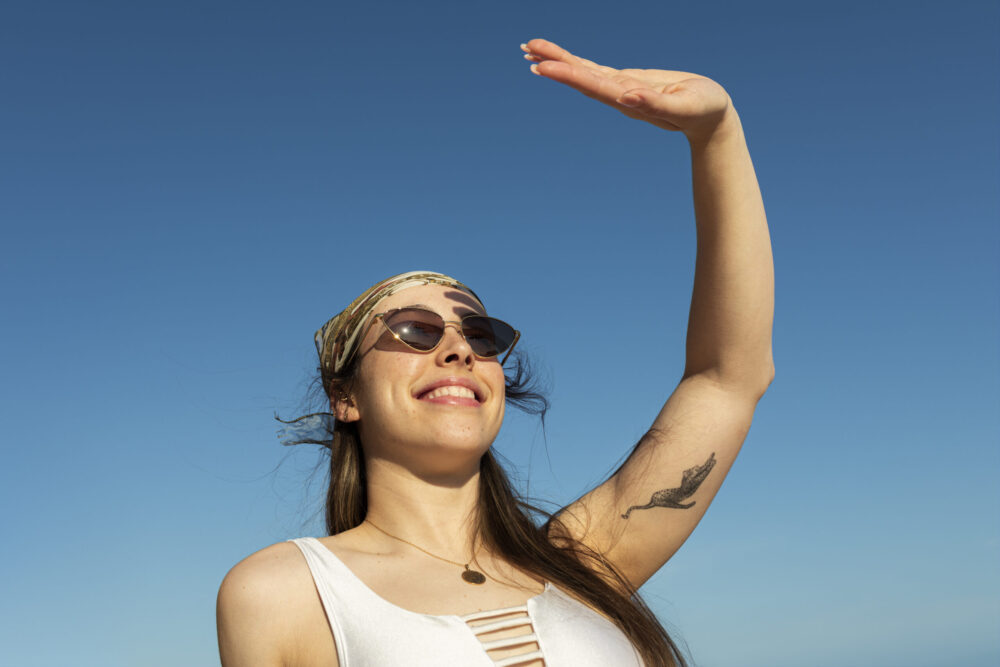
(436,512)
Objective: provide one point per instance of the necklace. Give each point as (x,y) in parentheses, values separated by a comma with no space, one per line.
(468,575)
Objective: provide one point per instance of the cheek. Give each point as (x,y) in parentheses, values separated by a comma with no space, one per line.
(380,390)
(500,382)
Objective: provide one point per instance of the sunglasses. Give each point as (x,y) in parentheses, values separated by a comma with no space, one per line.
(422,330)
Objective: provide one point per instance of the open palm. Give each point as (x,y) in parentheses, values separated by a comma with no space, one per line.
(677,101)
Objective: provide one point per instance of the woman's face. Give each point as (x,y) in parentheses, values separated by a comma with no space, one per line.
(405,401)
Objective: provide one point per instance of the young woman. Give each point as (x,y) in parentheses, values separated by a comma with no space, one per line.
(432,560)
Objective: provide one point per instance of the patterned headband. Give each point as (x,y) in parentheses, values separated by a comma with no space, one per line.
(338,340)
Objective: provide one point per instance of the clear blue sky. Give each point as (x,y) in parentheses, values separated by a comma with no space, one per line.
(190,188)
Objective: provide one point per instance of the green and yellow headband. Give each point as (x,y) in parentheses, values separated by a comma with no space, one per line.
(338,340)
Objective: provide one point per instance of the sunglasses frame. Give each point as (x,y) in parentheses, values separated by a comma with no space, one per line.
(456,323)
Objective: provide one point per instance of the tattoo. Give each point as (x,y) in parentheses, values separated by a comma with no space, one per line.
(692,479)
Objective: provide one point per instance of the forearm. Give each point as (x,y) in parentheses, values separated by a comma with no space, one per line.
(732,305)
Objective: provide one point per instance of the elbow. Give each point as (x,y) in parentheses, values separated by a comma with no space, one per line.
(749,381)
(755,384)
(762,377)
(763,373)
(768,378)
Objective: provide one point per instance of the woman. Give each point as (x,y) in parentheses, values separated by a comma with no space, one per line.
(431,560)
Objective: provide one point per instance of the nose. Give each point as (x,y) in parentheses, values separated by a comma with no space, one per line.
(453,347)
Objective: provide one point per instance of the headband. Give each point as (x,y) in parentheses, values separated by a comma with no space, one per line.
(338,340)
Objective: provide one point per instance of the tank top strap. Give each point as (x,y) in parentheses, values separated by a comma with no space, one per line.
(332,570)
(332,589)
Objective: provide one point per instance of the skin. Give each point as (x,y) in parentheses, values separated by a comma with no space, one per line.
(728,355)
(439,443)
(422,458)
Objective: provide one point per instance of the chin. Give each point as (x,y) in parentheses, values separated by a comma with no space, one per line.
(464,443)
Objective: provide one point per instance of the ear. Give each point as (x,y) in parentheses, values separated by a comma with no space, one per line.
(345,409)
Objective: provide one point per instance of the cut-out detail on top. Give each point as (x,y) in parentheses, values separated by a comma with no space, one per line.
(508,636)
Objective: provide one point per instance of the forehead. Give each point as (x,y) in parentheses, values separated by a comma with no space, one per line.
(447,301)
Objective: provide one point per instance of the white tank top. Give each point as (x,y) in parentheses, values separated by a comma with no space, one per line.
(370,631)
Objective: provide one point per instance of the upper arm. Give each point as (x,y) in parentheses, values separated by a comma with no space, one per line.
(669,479)
(266,607)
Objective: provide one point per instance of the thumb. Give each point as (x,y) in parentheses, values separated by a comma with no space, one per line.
(633,99)
(653,106)
(650,101)
(636,98)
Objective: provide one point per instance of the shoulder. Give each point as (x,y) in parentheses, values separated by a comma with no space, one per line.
(266,578)
(275,561)
(266,603)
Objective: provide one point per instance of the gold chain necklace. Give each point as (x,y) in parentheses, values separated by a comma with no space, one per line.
(468,575)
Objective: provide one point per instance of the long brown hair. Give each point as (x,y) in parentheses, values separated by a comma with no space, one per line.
(506,525)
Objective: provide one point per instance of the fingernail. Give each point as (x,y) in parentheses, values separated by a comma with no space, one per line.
(534,68)
(524,47)
(630,100)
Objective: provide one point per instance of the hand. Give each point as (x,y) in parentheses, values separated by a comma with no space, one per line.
(676,101)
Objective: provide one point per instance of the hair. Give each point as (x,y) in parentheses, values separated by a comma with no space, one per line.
(506,525)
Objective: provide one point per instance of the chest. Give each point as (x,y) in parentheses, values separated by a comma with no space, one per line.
(549,629)
(427,587)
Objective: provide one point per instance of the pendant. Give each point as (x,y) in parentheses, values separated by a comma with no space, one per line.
(473,577)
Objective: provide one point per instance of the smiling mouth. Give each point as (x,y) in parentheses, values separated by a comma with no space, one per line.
(452,394)
(449,390)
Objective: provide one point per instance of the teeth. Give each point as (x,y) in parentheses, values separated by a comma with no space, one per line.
(451,390)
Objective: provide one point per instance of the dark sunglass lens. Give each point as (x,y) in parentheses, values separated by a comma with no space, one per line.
(420,329)
(488,337)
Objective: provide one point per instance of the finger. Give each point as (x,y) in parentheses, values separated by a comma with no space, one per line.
(542,49)
(548,50)
(605,88)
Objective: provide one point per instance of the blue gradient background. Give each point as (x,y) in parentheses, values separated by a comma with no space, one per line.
(190,189)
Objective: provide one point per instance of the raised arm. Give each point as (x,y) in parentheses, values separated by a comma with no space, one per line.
(645,511)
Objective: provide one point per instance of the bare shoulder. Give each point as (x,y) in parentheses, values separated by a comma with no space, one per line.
(265,574)
(269,614)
